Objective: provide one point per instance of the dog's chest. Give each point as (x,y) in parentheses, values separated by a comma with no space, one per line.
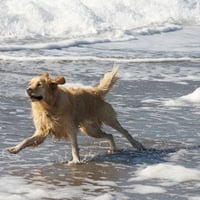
(46,121)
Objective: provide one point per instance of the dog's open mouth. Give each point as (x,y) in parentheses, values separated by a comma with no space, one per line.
(35,98)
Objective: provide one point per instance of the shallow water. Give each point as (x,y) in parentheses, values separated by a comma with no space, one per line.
(169,169)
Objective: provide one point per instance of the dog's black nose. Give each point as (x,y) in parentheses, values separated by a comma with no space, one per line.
(29,90)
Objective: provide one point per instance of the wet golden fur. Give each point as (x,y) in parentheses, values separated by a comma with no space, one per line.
(62,112)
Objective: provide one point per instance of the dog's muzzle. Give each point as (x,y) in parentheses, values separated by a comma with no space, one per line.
(33,96)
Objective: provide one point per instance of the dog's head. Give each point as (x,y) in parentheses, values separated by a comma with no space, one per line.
(40,87)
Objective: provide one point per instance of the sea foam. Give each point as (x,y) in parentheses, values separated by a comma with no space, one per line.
(147,189)
(167,171)
(84,18)
(191,98)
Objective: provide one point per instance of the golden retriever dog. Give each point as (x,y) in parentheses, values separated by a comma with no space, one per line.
(61,112)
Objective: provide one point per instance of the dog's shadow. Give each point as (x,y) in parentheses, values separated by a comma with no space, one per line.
(149,156)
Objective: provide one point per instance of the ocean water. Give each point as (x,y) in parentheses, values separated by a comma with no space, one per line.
(157,98)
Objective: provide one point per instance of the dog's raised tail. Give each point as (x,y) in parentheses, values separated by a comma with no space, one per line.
(108,80)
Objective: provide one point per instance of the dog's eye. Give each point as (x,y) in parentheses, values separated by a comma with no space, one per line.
(39,84)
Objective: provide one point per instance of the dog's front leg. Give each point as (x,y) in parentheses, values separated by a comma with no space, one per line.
(31,141)
(75,150)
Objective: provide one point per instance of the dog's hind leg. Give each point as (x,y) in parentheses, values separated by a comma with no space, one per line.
(109,117)
(93,129)
(117,126)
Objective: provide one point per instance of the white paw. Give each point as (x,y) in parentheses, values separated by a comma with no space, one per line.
(13,150)
(74,162)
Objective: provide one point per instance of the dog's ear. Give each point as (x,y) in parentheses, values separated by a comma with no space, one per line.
(46,74)
(58,80)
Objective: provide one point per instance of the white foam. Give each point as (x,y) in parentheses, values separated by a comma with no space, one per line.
(54,45)
(191,98)
(104,197)
(177,155)
(95,58)
(82,18)
(175,173)
(18,188)
(194,198)
(15,187)
(147,189)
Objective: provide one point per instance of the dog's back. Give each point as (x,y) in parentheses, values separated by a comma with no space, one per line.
(89,105)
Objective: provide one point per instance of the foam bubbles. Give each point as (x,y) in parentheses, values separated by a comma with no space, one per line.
(175,173)
(18,188)
(104,197)
(147,189)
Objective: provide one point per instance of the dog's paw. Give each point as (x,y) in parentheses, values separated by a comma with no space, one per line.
(140,147)
(113,151)
(13,150)
(74,162)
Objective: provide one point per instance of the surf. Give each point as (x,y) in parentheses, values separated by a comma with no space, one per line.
(69,19)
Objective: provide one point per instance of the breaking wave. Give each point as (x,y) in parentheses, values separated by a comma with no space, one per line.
(113,19)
